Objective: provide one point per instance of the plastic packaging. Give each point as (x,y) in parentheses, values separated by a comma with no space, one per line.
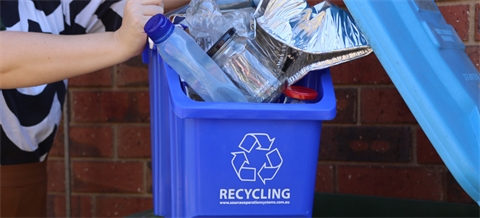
(299,95)
(256,75)
(185,56)
(207,23)
(224,5)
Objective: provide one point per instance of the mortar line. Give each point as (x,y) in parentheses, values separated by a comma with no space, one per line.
(107,88)
(335,178)
(381,164)
(145,169)
(115,142)
(66,155)
(94,195)
(56,193)
(106,124)
(94,205)
(110,159)
(56,158)
(364,85)
(472,24)
(358,108)
(369,124)
(445,188)
(414,151)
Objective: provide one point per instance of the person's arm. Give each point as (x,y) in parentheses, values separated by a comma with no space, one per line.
(29,59)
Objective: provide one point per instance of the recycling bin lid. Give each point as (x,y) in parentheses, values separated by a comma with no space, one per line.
(426,61)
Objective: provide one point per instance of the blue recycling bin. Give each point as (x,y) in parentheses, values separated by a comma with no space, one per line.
(216,159)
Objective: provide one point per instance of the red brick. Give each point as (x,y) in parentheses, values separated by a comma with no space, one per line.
(474,53)
(134,141)
(89,141)
(110,106)
(56,205)
(365,143)
(56,175)
(477,22)
(80,206)
(384,105)
(346,106)
(455,192)
(100,78)
(457,16)
(366,70)
(133,73)
(121,206)
(107,177)
(359,145)
(380,146)
(324,181)
(396,182)
(57,149)
(426,153)
(338,3)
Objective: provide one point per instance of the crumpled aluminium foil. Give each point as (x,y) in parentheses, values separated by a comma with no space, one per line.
(300,38)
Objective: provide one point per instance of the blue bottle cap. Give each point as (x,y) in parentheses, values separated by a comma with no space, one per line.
(159,28)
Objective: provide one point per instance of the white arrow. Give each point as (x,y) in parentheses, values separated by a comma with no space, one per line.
(239,166)
(238,163)
(267,172)
(264,139)
(251,139)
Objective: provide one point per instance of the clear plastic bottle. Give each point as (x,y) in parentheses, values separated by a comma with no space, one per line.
(184,55)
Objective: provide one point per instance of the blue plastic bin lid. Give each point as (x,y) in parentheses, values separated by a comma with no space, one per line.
(426,61)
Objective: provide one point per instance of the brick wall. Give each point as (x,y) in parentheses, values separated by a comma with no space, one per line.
(373,147)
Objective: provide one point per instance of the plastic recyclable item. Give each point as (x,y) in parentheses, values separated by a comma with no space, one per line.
(237,4)
(224,5)
(183,54)
(256,75)
(299,95)
(207,23)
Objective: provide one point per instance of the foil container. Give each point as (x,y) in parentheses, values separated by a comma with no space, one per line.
(300,38)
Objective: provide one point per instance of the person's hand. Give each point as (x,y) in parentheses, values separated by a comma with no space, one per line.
(131,36)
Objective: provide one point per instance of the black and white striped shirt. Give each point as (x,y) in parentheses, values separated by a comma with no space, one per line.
(30,117)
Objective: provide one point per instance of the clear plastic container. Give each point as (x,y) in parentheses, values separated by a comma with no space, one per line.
(249,69)
(184,55)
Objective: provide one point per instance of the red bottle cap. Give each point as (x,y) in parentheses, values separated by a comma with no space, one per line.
(300,92)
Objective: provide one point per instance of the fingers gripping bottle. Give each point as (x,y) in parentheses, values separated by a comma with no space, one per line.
(184,55)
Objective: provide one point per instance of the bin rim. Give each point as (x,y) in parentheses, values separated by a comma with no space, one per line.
(187,108)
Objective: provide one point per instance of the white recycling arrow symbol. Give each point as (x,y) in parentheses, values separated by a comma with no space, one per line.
(241,165)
